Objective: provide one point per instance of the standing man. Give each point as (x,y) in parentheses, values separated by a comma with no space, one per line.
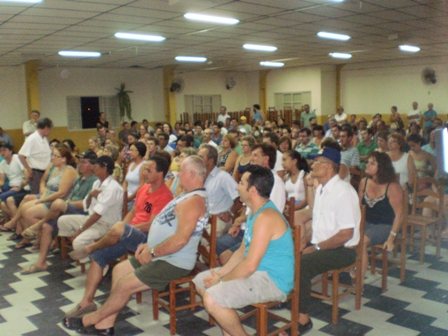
(429,117)
(30,126)
(365,147)
(336,220)
(35,153)
(103,204)
(258,114)
(306,115)
(305,146)
(170,253)
(223,116)
(415,114)
(262,269)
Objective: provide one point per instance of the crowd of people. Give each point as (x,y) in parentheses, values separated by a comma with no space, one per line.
(151,191)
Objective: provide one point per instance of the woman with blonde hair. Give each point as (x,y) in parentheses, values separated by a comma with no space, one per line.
(247,143)
(94,146)
(403,162)
(228,155)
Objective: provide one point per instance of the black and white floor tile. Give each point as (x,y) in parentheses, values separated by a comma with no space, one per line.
(34,305)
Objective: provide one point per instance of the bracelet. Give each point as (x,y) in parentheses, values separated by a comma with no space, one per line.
(393,233)
(310,185)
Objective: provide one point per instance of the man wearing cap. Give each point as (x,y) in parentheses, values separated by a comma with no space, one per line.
(35,153)
(244,125)
(336,219)
(104,204)
(48,226)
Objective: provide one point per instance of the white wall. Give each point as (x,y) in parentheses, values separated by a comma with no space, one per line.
(328,85)
(243,95)
(375,89)
(295,80)
(146,99)
(14,106)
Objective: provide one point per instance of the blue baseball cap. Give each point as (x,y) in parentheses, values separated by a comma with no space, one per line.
(329,153)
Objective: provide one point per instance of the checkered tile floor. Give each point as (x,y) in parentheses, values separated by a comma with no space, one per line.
(34,304)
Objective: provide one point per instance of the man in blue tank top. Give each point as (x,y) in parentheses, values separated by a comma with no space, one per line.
(262,269)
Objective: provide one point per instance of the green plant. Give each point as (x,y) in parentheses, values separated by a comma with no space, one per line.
(124,102)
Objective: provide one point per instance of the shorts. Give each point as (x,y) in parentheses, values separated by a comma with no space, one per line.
(377,233)
(157,274)
(71,210)
(18,198)
(129,242)
(257,288)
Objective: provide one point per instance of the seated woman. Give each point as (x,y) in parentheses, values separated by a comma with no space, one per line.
(173,184)
(296,168)
(134,177)
(284,144)
(227,156)
(383,147)
(112,151)
(425,163)
(94,146)
(403,163)
(57,183)
(125,151)
(247,142)
(383,198)
(319,135)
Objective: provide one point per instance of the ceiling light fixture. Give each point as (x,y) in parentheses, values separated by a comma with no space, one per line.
(409,48)
(211,18)
(340,55)
(190,59)
(139,37)
(272,64)
(259,47)
(333,36)
(69,53)
(23,1)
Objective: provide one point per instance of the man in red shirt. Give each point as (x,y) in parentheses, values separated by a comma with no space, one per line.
(123,237)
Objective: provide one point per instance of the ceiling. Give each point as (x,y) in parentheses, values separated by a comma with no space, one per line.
(377,27)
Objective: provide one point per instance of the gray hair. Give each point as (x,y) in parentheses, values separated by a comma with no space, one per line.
(196,163)
(212,152)
(189,151)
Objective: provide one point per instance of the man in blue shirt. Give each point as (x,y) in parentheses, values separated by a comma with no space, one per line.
(429,116)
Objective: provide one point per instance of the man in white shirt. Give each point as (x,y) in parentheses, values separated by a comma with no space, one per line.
(11,168)
(415,114)
(208,134)
(271,138)
(340,116)
(104,205)
(223,115)
(30,126)
(163,142)
(35,153)
(336,220)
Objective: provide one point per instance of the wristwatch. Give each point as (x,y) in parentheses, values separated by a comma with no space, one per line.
(317,247)
(153,255)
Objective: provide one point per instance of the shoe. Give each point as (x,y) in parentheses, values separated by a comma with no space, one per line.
(22,245)
(32,269)
(91,330)
(15,236)
(79,254)
(77,311)
(5,229)
(303,329)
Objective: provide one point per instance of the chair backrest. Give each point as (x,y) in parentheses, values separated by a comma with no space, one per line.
(209,254)
(297,254)
(436,189)
(291,209)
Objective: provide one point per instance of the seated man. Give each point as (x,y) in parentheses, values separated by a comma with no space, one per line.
(335,228)
(11,171)
(122,237)
(48,226)
(262,269)
(104,204)
(170,253)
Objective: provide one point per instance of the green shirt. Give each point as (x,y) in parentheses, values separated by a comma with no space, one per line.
(365,150)
(311,148)
(82,187)
(238,148)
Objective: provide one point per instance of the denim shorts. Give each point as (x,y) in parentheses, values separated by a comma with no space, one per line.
(129,242)
(377,233)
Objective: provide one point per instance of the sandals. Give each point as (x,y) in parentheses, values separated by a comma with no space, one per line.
(22,245)
(15,236)
(75,323)
(77,311)
(32,269)
(30,233)
(5,229)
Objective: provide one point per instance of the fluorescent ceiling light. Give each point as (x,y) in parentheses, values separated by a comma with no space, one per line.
(68,53)
(333,36)
(23,1)
(409,48)
(259,47)
(340,55)
(190,59)
(211,18)
(272,64)
(139,37)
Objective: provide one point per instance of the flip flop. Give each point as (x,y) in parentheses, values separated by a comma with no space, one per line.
(5,229)
(21,245)
(30,233)
(32,269)
(15,236)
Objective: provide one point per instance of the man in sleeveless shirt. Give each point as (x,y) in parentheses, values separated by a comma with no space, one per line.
(125,235)
(170,253)
(262,269)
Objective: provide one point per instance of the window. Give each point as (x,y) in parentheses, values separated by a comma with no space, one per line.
(83,112)
(202,103)
(292,100)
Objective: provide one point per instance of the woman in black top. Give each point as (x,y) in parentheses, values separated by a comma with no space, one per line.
(383,198)
(102,122)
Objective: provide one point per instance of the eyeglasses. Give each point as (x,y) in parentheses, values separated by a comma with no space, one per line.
(56,156)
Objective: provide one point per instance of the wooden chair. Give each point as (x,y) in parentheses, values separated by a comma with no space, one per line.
(65,245)
(435,190)
(171,306)
(289,214)
(378,253)
(261,309)
(357,288)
